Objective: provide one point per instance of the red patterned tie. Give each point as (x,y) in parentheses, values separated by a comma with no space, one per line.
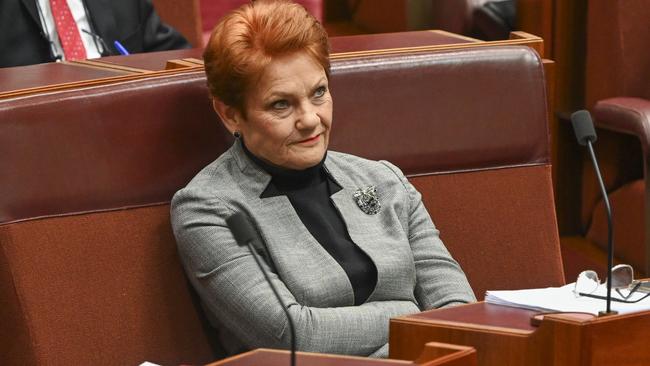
(69,35)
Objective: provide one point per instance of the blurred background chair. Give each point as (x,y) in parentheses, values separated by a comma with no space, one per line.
(184,16)
(213,10)
(617,91)
(483,19)
(485,176)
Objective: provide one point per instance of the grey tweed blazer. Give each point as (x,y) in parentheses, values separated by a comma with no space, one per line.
(414,269)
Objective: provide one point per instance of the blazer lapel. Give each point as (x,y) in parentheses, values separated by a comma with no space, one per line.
(300,258)
(368,231)
(295,253)
(355,219)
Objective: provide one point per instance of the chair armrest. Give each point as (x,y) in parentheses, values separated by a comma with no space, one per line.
(625,115)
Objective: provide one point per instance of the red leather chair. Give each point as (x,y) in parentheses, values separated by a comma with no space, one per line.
(469,129)
(89,272)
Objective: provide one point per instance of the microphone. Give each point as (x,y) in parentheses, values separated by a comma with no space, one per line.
(586,135)
(244,234)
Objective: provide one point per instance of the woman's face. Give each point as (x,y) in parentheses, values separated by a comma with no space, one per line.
(289,113)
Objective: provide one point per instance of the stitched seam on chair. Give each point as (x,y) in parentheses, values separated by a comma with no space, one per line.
(66,214)
(473,170)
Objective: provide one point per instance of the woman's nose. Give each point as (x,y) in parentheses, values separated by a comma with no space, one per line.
(308,117)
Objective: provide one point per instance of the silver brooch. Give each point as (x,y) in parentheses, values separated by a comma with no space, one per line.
(367,200)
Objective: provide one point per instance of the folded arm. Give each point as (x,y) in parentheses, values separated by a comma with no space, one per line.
(440,281)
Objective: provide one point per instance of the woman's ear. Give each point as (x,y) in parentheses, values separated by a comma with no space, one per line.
(229,115)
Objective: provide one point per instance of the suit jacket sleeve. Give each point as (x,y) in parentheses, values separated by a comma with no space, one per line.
(440,281)
(235,292)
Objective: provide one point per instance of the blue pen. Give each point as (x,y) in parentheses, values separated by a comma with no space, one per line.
(121,48)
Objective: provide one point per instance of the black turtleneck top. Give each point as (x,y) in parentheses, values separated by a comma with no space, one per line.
(309,192)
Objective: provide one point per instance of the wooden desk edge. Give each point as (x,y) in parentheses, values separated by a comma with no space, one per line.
(315,354)
(481,328)
(99,64)
(434,353)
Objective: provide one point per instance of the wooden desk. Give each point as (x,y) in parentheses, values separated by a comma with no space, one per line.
(33,78)
(504,336)
(433,354)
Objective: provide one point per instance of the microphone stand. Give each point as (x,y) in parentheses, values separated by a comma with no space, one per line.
(243,232)
(586,135)
(277,295)
(610,229)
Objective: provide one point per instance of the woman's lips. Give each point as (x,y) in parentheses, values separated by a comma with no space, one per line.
(309,140)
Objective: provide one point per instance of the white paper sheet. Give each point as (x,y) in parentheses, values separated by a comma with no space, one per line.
(563,299)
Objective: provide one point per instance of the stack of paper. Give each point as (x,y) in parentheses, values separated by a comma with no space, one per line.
(564,300)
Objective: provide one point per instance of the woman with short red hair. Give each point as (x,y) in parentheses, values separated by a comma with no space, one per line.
(348,241)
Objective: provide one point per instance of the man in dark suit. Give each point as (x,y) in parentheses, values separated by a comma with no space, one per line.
(133,23)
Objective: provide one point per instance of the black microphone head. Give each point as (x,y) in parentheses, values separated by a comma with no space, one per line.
(241,228)
(583,127)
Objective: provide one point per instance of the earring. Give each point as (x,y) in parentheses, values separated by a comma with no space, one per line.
(237,134)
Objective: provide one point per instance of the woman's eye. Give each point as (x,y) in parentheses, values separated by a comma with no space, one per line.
(320,92)
(280,104)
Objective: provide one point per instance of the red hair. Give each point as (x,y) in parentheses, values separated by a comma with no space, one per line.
(246,40)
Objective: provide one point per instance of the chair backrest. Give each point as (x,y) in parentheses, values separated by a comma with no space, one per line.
(89,272)
(618,61)
(470,130)
(617,72)
(617,65)
(88,267)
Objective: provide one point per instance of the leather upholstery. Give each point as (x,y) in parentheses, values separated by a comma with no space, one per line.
(88,272)
(99,288)
(420,118)
(626,115)
(618,61)
(115,146)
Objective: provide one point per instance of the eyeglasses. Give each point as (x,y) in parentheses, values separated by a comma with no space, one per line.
(622,279)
